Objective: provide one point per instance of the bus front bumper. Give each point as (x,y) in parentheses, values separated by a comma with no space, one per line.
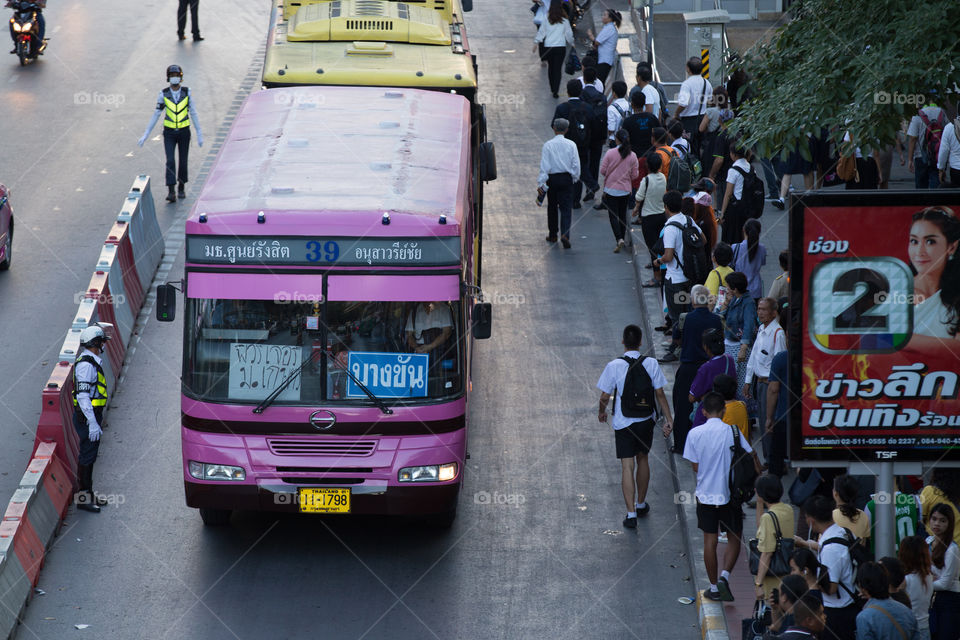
(416,499)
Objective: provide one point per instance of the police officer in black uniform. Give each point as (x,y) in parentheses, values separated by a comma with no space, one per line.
(89,401)
(176,104)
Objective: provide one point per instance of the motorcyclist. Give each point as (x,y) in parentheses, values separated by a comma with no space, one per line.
(38,6)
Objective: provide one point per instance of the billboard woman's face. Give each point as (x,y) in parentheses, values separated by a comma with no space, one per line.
(928,248)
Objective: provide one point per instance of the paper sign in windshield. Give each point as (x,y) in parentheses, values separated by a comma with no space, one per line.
(257,369)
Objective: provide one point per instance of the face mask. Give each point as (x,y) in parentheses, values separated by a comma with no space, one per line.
(174,80)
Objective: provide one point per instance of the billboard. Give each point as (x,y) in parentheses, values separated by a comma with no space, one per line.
(875,351)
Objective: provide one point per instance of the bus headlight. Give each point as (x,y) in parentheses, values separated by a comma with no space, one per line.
(429,473)
(204,471)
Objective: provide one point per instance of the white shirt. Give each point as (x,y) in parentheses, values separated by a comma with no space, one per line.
(946,579)
(932,318)
(440,317)
(559,155)
(770,341)
(920,592)
(918,130)
(836,558)
(555,35)
(949,155)
(607,44)
(650,192)
(673,239)
(613,116)
(596,84)
(694,92)
(653,99)
(709,447)
(734,177)
(615,374)
(681,143)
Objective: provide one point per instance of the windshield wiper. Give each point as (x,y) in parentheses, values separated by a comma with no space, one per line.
(380,403)
(266,402)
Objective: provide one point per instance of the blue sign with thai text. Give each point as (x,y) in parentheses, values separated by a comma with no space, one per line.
(388,375)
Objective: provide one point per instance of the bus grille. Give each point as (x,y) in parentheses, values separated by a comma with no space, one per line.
(370,25)
(321,447)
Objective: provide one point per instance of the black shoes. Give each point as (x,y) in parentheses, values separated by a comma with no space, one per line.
(630,523)
(589,196)
(87,501)
(710,594)
(723,588)
(181,193)
(171,194)
(565,242)
(642,511)
(551,238)
(576,205)
(180,35)
(197,37)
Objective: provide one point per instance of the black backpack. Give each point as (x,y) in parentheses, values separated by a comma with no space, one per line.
(580,125)
(637,399)
(680,174)
(695,265)
(597,103)
(742,472)
(752,197)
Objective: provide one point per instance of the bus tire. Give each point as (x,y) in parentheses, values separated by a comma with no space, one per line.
(488,162)
(215,517)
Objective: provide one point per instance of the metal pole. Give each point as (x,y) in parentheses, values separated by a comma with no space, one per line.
(885,512)
(649,26)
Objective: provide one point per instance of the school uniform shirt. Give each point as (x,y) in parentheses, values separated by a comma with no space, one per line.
(555,35)
(770,341)
(607,44)
(559,155)
(616,112)
(709,447)
(734,177)
(653,100)
(780,288)
(836,558)
(693,96)
(946,578)
(949,156)
(596,84)
(918,130)
(673,239)
(612,380)
(767,532)
(859,527)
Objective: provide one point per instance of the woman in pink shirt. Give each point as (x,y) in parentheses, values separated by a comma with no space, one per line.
(619,168)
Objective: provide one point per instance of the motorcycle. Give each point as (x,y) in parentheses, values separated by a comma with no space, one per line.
(25,29)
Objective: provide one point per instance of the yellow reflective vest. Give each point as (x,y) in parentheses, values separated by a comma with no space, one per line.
(98,391)
(176,114)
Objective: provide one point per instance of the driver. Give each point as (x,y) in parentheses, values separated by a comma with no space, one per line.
(38,5)
(429,326)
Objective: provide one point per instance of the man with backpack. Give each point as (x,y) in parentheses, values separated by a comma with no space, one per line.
(924,134)
(636,384)
(685,262)
(597,104)
(578,114)
(710,448)
(835,546)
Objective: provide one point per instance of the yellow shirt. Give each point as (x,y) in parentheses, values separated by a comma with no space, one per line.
(767,533)
(736,414)
(859,527)
(931,497)
(717,277)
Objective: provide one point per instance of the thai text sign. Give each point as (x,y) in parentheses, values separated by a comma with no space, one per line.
(875,356)
(388,375)
(257,369)
(360,252)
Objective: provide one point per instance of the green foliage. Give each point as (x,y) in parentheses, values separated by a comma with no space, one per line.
(854,65)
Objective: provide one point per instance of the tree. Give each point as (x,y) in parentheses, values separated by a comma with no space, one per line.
(849,65)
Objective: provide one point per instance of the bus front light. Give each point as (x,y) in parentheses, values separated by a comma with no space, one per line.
(204,471)
(429,473)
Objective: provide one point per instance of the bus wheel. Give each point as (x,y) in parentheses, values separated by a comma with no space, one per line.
(215,517)
(441,520)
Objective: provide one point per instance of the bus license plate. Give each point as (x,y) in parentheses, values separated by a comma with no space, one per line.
(315,500)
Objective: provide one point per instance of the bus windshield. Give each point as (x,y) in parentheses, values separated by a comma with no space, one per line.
(240,351)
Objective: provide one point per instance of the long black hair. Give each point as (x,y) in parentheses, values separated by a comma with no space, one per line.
(949,225)
(555,13)
(752,230)
(623,137)
(847,489)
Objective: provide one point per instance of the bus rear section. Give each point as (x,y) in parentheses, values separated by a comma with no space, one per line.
(330,307)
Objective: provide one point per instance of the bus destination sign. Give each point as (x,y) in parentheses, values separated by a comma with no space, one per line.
(350,252)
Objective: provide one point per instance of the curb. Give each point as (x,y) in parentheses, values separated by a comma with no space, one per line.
(711,616)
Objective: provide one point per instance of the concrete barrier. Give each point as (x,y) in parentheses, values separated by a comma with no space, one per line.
(146,240)
(120,236)
(56,418)
(113,300)
(15,589)
(26,544)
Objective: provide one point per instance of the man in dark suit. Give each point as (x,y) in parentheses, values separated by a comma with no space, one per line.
(577,113)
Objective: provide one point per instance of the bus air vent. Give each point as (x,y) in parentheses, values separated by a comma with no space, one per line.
(337,448)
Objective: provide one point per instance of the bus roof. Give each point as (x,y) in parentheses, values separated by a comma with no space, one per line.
(343,150)
(369,43)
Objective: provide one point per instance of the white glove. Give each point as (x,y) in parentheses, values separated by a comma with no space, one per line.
(141,141)
(94,433)
(199,141)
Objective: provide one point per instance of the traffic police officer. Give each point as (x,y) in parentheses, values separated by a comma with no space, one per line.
(89,400)
(175,103)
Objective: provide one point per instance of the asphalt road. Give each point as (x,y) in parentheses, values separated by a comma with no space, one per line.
(544,557)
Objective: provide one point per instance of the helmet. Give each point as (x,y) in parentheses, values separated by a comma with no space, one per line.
(174,70)
(93,336)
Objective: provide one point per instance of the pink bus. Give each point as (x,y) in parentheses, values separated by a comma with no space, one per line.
(331,301)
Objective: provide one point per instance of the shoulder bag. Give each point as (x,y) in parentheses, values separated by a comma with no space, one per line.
(779,559)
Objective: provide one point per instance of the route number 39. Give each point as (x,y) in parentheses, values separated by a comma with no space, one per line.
(861,304)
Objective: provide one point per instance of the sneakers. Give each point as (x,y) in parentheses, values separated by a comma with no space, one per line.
(630,523)
(723,587)
(710,594)
(778,203)
(619,246)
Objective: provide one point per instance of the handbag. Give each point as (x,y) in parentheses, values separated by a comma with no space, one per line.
(573,62)
(847,168)
(780,559)
(755,626)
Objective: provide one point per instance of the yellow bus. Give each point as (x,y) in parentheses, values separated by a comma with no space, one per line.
(382,43)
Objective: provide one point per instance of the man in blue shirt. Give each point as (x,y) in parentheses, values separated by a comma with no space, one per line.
(882,618)
(692,355)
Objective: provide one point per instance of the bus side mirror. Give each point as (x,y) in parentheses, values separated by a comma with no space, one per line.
(488,162)
(467,5)
(482,320)
(166,302)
